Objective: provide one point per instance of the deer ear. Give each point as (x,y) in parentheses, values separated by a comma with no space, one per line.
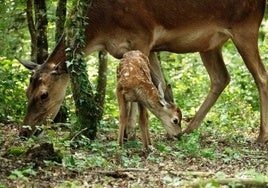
(161,95)
(28,64)
(169,94)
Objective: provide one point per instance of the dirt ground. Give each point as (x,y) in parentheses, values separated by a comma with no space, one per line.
(238,164)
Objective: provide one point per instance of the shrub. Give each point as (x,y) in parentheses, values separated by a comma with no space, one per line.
(12,91)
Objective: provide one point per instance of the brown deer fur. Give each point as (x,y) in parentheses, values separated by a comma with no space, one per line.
(134,84)
(180,26)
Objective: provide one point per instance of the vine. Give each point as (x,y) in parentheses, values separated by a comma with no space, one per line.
(87,109)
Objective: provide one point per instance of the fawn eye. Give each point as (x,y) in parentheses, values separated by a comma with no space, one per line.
(44,95)
(175,121)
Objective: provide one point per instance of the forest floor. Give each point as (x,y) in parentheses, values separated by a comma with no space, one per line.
(197,160)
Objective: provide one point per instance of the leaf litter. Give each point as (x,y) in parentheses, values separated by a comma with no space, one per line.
(197,160)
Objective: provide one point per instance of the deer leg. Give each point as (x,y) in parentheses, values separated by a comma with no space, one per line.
(130,132)
(247,45)
(143,122)
(158,76)
(156,71)
(219,78)
(123,116)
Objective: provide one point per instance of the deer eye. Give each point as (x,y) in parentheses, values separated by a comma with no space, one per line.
(44,95)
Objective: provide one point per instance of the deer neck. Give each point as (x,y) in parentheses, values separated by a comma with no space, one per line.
(156,108)
(149,99)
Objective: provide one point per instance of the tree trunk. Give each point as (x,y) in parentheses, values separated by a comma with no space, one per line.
(38,30)
(102,80)
(60,18)
(87,109)
(29,13)
(41,30)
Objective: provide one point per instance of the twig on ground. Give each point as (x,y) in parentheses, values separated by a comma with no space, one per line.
(124,170)
(77,134)
(192,173)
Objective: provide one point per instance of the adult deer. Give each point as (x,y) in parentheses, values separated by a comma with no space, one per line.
(180,26)
(135,85)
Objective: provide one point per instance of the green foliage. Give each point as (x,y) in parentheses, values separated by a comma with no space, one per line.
(190,145)
(2,184)
(13,27)
(12,91)
(70,184)
(22,174)
(16,151)
(224,139)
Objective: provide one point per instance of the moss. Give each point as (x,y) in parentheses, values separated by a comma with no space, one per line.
(16,150)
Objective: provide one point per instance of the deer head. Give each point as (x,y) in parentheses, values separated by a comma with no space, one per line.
(170,116)
(45,93)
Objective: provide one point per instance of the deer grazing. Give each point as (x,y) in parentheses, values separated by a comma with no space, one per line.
(134,84)
(176,26)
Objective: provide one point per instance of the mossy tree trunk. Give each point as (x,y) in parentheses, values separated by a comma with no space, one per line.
(87,109)
(102,81)
(60,18)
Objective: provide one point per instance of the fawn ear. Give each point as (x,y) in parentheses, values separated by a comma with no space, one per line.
(161,95)
(169,94)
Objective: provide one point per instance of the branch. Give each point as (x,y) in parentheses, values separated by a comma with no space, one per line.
(31,27)
(230,181)
(78,133)
(197,174)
